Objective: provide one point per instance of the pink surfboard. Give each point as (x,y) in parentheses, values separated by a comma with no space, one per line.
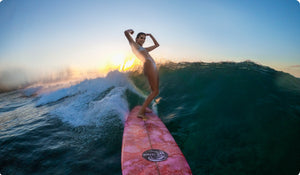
(149,148)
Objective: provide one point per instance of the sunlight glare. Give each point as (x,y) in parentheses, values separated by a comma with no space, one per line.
(122,63)
(129,63)
(118,60)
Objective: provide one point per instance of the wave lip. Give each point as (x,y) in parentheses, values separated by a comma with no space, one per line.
(90,102)
(97,113)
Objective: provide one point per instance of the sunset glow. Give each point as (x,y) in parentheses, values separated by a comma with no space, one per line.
(39,36)
(122,63)
(130,63)
(117,60)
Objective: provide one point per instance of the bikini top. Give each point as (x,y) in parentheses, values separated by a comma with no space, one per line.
(141,48)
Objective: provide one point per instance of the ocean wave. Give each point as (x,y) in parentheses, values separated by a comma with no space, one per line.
(91,102)
(227,118)
(84,111)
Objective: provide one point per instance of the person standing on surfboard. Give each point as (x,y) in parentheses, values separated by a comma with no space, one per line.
(150,69)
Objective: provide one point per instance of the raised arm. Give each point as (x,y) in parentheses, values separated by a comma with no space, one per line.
(132,43)
(128,34)
(154,41)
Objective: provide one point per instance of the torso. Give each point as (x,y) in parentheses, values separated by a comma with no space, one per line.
(144,56)
(142,52)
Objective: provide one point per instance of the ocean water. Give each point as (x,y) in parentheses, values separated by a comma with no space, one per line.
(227,118)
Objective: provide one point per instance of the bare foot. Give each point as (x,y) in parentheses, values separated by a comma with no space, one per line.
(141,116)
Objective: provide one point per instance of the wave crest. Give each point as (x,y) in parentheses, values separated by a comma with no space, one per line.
(91,102)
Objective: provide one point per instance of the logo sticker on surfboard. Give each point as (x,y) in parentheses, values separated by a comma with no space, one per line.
(155,155)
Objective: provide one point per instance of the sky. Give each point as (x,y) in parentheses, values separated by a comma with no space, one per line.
(46,35)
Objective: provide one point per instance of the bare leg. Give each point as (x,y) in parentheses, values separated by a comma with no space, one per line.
(153,80)
(147,110)
(148,100)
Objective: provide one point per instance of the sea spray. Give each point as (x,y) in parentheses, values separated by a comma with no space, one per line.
(91,102)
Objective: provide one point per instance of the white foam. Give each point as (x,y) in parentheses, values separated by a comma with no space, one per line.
(82,104)
(78,112)
(94,86)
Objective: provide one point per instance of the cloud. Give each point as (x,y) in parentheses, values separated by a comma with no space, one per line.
(298,1)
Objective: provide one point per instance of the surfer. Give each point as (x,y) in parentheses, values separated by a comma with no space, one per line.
(150,69)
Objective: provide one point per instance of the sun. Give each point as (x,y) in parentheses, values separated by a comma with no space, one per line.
(123,62)
(130,63)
